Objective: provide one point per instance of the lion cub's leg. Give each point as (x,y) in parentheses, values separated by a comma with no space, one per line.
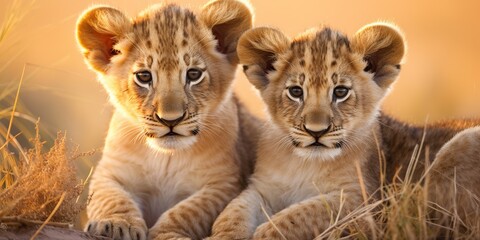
(241,217)
(193,217)
(306,219)
(455,175)
(112,212)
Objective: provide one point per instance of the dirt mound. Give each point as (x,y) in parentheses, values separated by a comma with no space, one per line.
(47,233)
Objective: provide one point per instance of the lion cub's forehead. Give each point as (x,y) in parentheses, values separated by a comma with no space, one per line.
(320,55)
(165,33)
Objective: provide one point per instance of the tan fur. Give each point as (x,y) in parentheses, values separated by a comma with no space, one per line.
(454,178)
(301,187)
(175,179)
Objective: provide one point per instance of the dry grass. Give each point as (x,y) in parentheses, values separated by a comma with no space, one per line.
(39,182)
(36,186)
(404,211)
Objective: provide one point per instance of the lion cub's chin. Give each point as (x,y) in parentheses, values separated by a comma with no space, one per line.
(317,153)
(171,143)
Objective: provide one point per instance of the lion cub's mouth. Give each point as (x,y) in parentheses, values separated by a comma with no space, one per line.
(171,133)
(317,144)
(167,135)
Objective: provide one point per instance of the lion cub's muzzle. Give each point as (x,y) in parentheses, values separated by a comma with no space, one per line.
(170,121)
(325,135)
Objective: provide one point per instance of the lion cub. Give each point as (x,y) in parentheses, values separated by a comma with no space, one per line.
(175,153)
(319,157)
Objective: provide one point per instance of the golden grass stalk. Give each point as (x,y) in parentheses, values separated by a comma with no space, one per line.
(49,216)
(15,103)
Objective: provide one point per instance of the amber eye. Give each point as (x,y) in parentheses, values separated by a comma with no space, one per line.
(295,92)
(340,93)
(193,75)
(144,77)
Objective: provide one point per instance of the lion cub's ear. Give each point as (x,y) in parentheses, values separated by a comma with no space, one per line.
(258,49)
(98,30)
(383,47)
(227,19)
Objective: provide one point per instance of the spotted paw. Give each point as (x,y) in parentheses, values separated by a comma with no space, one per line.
(118,229)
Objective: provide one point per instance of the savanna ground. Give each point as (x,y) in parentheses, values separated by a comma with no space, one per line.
(53,114)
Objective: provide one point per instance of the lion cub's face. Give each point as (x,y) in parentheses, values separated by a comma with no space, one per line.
(322,89)
(167,69)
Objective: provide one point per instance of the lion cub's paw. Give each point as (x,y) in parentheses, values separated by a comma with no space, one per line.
(118,229)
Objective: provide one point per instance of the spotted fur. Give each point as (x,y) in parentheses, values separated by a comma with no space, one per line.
(175,153)
(318,158)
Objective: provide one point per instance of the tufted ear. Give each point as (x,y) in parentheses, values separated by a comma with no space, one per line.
(98,30)
(258,49)
(227,19)
(383,47)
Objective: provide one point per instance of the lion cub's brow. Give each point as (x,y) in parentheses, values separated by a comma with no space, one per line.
(319,53)
(162,35)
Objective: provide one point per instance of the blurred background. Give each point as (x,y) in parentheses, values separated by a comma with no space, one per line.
(439,79)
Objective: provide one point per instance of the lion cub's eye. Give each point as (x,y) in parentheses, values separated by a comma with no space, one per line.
(194,75)
(143,78)
(295,92)
(341,93)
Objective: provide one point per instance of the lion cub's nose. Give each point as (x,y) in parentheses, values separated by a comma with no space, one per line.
(317,133)
(169,121)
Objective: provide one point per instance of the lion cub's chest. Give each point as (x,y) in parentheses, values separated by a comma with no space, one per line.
(288,181)
(161,182)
